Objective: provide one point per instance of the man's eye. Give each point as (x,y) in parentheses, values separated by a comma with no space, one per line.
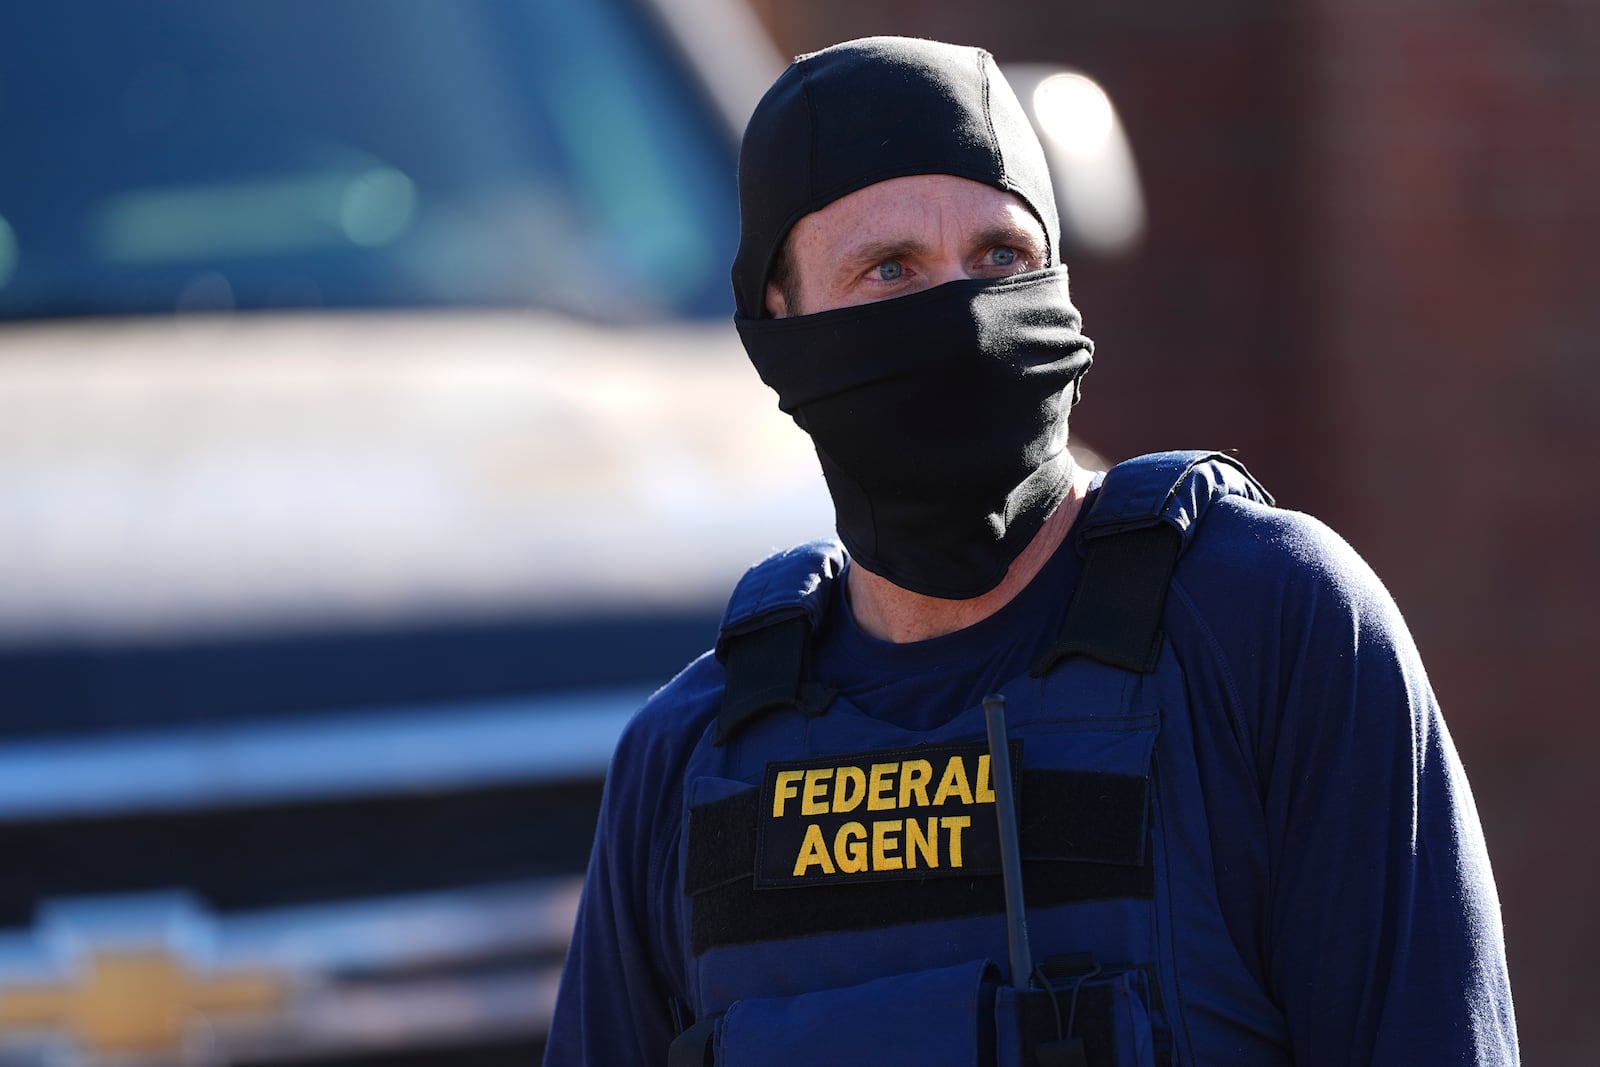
(890,270)
(1003,257)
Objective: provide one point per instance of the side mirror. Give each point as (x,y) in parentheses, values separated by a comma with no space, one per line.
(1097,183)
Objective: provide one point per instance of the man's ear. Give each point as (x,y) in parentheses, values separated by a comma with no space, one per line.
(777,306)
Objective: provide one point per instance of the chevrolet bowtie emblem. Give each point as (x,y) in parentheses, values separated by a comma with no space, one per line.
(137,1003)
(132,978)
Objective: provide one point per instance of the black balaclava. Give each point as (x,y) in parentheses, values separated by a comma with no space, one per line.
(940,417)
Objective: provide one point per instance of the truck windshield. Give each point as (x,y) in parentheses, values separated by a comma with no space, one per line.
(178,155)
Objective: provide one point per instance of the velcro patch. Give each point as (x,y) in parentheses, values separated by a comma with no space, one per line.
(909,813)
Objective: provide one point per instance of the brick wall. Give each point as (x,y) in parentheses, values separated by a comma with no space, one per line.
(1374,268)
(1454,172)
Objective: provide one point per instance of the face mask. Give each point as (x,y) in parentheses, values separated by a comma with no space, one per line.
(940,419)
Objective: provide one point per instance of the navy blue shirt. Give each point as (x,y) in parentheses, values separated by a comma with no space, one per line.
(1348,857)
(921,684)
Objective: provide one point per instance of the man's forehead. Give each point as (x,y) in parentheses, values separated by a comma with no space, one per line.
(914,209)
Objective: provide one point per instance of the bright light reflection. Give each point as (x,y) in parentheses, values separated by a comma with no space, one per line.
(376,206)
(8,252)
(242,218)
(1074,112)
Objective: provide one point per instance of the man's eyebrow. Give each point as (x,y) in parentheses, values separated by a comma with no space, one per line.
(1012,236)
(873,251)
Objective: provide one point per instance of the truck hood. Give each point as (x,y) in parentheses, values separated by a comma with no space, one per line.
(244,471)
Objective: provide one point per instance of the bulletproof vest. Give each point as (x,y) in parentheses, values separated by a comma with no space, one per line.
(846,903)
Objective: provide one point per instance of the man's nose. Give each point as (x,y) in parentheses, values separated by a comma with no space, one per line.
(951,269)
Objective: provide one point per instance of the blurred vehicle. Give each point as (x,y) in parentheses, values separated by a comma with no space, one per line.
(372,442)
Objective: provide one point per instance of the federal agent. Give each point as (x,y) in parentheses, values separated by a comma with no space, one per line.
(1239,833)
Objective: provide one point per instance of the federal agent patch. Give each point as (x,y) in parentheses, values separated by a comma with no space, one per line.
(909,813)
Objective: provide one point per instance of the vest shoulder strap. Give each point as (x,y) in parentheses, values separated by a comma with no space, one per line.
(766,635)
(1146,511)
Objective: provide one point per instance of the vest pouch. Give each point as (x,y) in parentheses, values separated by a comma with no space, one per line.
(940,1016)
(1091,1019)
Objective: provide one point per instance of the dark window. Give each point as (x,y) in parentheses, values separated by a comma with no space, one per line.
(257,154)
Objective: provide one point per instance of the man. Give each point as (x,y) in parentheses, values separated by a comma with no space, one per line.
(1245,837)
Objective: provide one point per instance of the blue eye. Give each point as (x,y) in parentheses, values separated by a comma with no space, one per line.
(890,271)
(1003,257)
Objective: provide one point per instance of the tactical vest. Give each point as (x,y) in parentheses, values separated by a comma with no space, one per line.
(843,874)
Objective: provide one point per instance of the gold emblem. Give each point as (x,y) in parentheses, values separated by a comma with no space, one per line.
(138,1002)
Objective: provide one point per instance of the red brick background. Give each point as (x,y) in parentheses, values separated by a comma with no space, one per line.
(1373,268)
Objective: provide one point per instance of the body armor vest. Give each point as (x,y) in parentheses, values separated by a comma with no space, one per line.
(846,903)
